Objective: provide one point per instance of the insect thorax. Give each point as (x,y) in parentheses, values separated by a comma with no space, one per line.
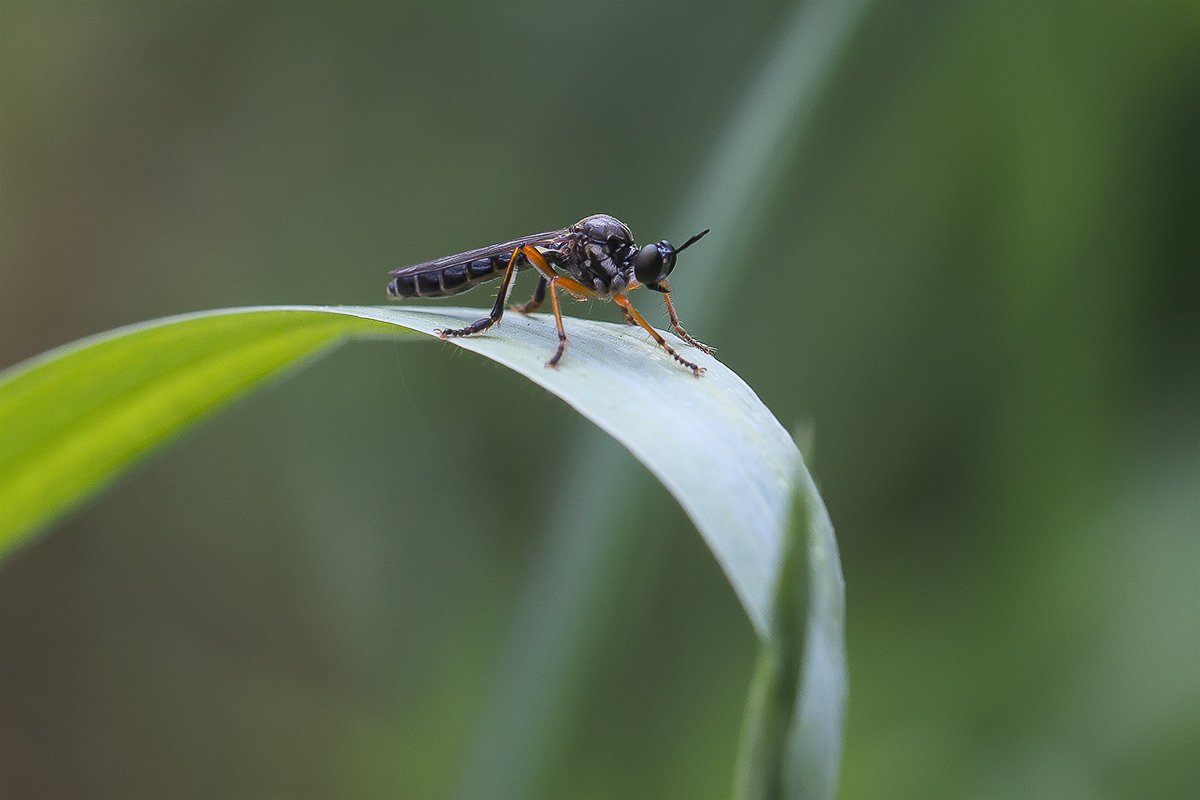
(599,254)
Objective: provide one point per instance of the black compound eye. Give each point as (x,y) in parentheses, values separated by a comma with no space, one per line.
(668,259)
(648,264)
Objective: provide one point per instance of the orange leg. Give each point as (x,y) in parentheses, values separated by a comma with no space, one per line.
(572,286)
(679,328)
(553,281)
(562,332)
(628,308)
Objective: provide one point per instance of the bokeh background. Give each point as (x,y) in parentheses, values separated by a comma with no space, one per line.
(971,278)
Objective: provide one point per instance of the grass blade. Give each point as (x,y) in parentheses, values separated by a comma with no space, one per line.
(77,417)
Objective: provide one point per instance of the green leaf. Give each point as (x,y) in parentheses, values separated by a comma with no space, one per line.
(76,418)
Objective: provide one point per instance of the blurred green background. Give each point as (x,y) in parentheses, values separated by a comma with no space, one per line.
(973,275)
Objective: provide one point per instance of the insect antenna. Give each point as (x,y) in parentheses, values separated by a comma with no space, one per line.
(691,241)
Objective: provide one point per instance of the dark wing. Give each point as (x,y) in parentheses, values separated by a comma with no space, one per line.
(546,239)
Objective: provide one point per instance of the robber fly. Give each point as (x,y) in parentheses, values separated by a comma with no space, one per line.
(597,253)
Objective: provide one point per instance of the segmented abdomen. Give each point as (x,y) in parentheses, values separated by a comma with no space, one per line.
(446,281)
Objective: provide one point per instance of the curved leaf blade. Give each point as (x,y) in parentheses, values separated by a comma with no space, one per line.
(76,418)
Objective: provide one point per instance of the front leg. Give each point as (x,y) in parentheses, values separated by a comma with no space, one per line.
(666,292)
(624,303)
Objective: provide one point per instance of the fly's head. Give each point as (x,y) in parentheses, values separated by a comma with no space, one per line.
(654,262)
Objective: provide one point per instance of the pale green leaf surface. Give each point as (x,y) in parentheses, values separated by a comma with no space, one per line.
(709,440)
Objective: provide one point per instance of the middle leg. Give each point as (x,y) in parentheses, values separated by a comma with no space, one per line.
(535,302)
(562,332)
(554,282)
